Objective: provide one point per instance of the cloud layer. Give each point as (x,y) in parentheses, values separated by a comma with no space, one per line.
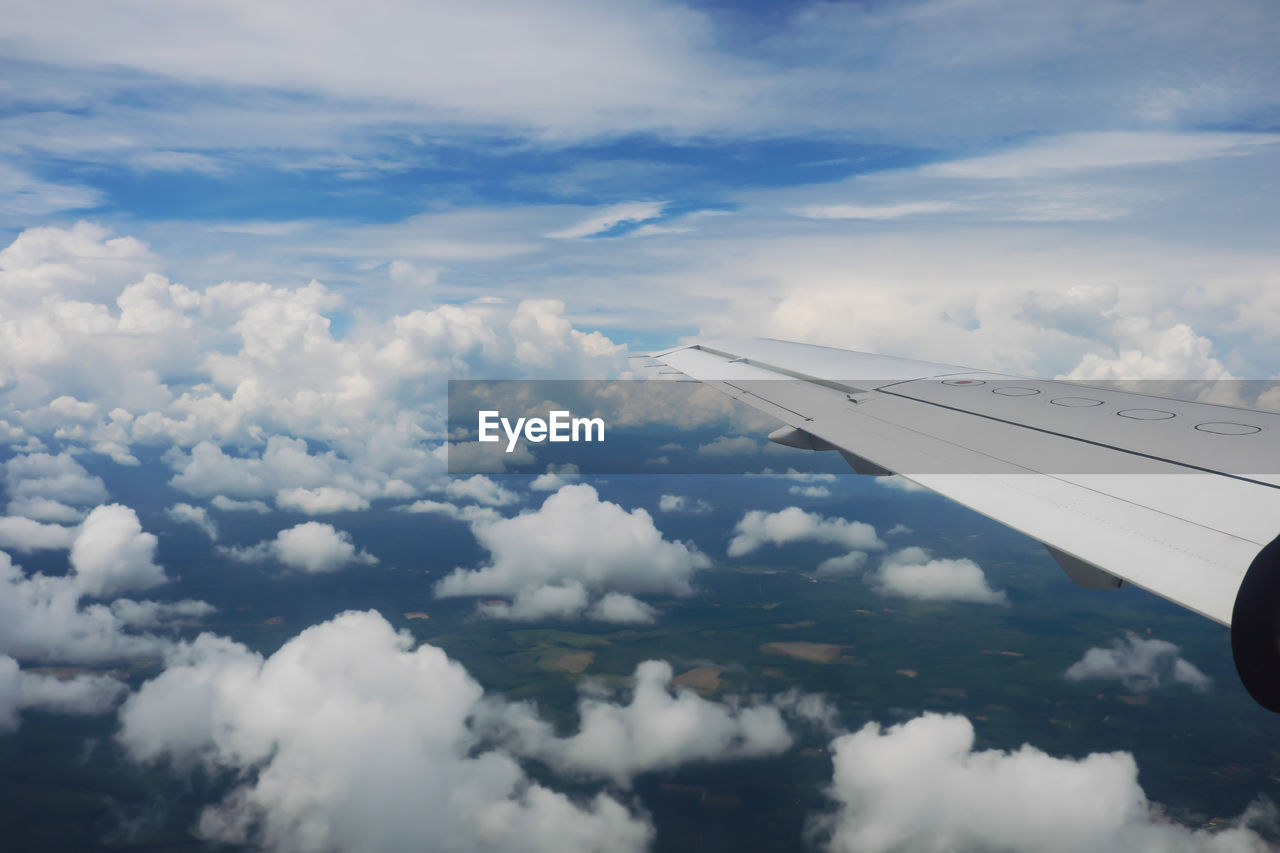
(347,737)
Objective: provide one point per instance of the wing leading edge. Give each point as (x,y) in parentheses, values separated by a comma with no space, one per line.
(1172,496)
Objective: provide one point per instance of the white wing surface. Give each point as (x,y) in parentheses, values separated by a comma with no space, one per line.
(1179,498)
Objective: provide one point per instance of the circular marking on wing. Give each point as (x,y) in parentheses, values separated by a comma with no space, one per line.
(1228,428)
(963,382)
(1015,391)
(1146,414)
(1076,402)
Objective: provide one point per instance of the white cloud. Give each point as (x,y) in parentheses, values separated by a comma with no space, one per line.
(739,445)
(623,609)
(1139,664)
(405,274)
(470,512)
(151,614)
(548,481)
(247,385)
(912,573)
(312,547)
(564,600)
(804,476)
(810,491)
(610,217)
(80,694)
(42,618)
(18,533)
(480,489)
(554,477)
(846,564)
(1144,352)
(46,487)
(874,211)
(671,503)
(658,728)
(679,503)
(349,738)
(898,74)
(321,500)
(197,515)
(575,546)
(23,196)
(758,528)
(1101,150)
(921,785)
(45,509)
(227,504)
(111,553)
(284,463)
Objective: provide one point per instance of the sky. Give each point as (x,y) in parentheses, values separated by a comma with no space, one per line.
(245,245)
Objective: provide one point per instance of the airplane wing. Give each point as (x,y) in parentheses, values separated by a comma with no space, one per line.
(1176,497)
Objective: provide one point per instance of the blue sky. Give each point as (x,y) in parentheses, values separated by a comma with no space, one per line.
(1073,139)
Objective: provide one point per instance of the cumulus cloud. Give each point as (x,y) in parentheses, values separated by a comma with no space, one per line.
(913,573)
(1143,351)
(810,491)
(623,609)
(48,488)
(470,512)
(554,560)
(480,489)
(807,476)
(679,503)
(286,468)
(312,547)
(759,528)
(845,564)
(739,445)
(1138,664)
(349,738)
(85,693)
(152,614)
(321,500)
(226,504)
(112,553)
(658,728)
(246,384)
(671,503)
(197,515)
(43,618)
(921,785)
(564,600)
(19,533)
(554,477)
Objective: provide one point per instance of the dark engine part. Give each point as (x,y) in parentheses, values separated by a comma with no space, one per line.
(1255,628)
